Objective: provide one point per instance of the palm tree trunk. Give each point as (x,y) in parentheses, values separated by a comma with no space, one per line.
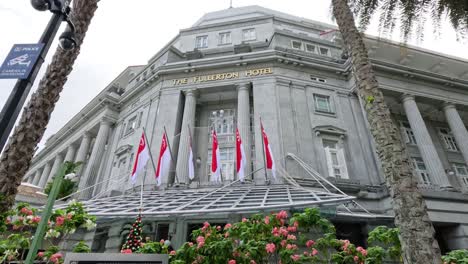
(416,231)
(17,156)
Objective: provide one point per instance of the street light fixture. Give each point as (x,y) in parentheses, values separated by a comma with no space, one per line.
(60,10)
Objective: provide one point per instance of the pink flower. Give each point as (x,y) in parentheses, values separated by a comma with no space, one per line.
(356,258)
(267,220)
(253,262)
(227,226)
(270,248)
(24,210)
(69,216)
(283,243)
(161,241)
(244,220)
(310,243)
(284,231)
(292,228)
(314,252)
(126,251)
(8,221)
(36,219)
(218,228)
(200,241)
(55,257)
(232,261)
(291,247)
(282,215)
(205,226)
(15,227)
(291,237)
(226,234)
(295,257)
(296,224)
(275,231)
(190,244)
(21,219)
(59,220)
(40,254)
(172,253)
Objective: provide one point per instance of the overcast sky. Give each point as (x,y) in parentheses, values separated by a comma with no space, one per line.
(125,33)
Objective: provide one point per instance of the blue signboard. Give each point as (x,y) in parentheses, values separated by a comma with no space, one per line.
(20,60)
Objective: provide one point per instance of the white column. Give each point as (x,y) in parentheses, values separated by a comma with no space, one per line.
(70,153)
(425,145)
(44,176)
(188,120)
(82,152)
(243,123)
(458,129)
(35,179)
(55,167)
(94,162)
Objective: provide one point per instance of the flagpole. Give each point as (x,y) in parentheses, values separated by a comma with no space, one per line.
(263,150)
(170,152)
(191,149)
(144,176)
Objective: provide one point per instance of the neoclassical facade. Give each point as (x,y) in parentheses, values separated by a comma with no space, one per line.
(241,66)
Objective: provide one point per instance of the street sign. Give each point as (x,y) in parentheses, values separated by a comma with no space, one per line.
(20,61)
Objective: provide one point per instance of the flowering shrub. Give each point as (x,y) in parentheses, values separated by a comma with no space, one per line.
(24,220)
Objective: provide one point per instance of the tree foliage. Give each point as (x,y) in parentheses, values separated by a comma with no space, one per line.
(412,14)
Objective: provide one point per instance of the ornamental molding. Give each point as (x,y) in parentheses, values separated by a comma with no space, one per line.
(329,129)
(123,149)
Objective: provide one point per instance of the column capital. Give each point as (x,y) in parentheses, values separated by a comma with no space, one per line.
(448,105)
(105,120)
(87,134)
(407,97)
(191,92)
(243,86)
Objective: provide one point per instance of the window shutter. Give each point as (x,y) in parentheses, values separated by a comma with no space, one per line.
(329,162)
(342,161)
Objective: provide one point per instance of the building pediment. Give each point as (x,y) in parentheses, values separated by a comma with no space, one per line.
(329,129)
(123,149)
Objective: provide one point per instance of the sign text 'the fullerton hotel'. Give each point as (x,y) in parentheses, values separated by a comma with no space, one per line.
(223,76)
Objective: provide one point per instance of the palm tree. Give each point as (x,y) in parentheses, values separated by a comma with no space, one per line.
(17,156)
(416,230)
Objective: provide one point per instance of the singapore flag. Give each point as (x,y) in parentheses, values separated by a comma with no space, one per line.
(164,160)
(240,157)
(141,158)
(215,166)
(269,160)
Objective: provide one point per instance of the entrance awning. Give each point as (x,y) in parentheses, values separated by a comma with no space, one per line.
(242,198)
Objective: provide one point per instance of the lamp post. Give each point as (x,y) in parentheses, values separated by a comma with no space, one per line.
(60,12)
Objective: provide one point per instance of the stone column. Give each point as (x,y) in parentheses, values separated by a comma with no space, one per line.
(243,123)
(458,129)
(82,152)
(425,145)
(188,120)
(57,163)
(44,176)
(35,179)
(94,162)
(70,153)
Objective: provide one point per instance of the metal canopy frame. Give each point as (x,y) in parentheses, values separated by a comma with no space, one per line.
(239,198)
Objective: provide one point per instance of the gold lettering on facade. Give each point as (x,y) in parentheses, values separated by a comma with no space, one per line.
(223,76)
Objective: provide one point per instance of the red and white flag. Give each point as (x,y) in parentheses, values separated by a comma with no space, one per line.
(142,158)
(164,160)
(215,160)
(191,169)
(269,160)
(240,157)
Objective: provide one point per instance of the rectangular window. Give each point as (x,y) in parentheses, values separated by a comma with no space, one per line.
(226,156)
(421,170)
(336,162)
(324,51)
(448,139)
(201,42)
(131,125)
(296,44)
(407,133)
(461,171)
(224,38)
(249,34)
(322,103)
(310,48)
